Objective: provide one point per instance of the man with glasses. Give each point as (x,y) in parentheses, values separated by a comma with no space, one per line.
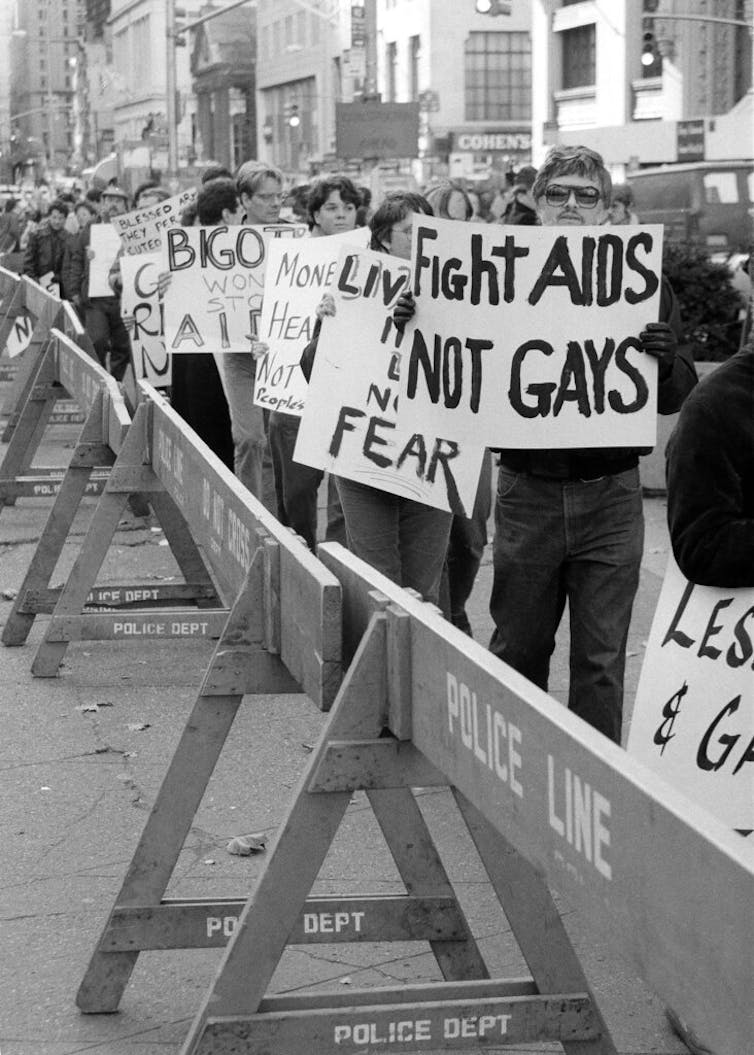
(260,190)
(569,523)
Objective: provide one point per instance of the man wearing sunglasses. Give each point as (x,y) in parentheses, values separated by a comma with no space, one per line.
(569,524)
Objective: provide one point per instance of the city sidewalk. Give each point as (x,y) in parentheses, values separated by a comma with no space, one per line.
(83,756)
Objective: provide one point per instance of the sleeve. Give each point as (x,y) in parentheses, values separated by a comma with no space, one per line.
(72,270)
(308,354)
(712,539)
(30,256)
(681,380)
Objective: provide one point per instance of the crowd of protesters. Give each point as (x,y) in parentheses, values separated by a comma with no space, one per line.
(535,570)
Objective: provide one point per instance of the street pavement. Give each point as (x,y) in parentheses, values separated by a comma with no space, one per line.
(83,756)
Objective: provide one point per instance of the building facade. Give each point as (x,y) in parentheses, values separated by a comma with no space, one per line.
(223,61)
(300,78)
(591,85)
(139,49)
(471,74)
(46,57)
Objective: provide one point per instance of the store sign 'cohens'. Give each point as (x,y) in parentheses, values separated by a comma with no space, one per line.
(480,141)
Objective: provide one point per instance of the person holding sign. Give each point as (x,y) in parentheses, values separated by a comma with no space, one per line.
(710,475)
(403,539)
(468,535)
(45,250)
(710,472)
(332,206)
(569,522)
(260,190)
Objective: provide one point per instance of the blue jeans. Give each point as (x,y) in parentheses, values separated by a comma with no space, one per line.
(405,540)
(468,537)
(297,485)
(237,373)
(576,540)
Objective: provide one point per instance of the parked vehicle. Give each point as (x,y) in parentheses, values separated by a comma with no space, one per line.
(709,203)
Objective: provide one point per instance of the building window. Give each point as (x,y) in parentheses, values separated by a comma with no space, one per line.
(391,70)
(314,29)
(579,61)
(288,30)
(498,76)
(414,50)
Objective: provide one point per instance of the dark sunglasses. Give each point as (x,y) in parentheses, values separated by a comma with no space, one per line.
(586,197)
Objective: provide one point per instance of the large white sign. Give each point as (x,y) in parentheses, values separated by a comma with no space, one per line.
(350,424)
(141,231)
(214,299)
(104,245)
(141,303)
(298,274)
(527,337)
(693,721)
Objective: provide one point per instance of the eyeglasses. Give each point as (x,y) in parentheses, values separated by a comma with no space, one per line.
(586,197)
(269,198)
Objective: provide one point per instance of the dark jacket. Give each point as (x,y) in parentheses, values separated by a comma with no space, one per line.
(589,463)
(710,467)
(11,229)
(44,254)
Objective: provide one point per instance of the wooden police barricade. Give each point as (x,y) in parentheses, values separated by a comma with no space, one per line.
(39,399)
(46,311)
(547,800)
(282,634)
(10,298)
(67,368)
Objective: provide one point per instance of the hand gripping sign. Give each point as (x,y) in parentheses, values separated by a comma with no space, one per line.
(527,337)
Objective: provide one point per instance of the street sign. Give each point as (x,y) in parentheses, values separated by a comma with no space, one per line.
(376,130)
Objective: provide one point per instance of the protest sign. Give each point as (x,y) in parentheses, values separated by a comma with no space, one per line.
(104,245)
(19,337)
(297,276)
(214,299)
(141,303)
(528,336)
(350,423)
(693,720)
(141,231)
(49,285)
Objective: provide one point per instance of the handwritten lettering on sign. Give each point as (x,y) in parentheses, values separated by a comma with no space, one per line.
(530,338)
(693,720)
(141,302)
(350,424)
(297,277)
(141,231)
(214,299)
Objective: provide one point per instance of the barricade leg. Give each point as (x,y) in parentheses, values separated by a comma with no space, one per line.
(185,550)
(27,369)
(239,658)
(32,419)
(236,1015)
(9,313)
(535,921)
(90,451)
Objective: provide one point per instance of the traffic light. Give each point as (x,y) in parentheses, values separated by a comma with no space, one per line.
(292,115)
(651,59)
(493,7)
